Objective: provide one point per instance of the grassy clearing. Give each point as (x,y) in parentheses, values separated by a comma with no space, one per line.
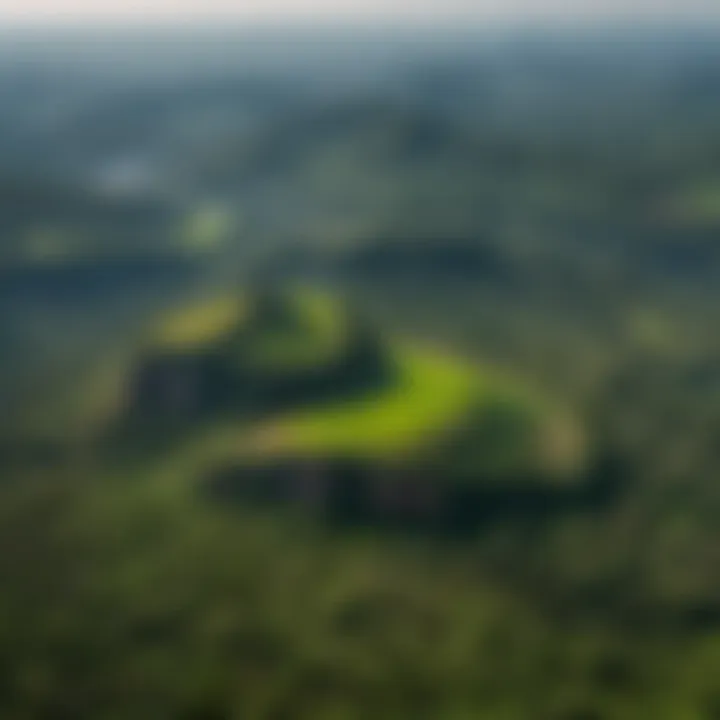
(201,324)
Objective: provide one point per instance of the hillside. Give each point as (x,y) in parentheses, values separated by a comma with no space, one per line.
(290,382)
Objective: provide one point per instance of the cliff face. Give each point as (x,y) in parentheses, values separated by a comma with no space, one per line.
(343,489)
(352,492)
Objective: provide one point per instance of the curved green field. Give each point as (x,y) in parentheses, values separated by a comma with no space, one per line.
(431,392)
(504,426)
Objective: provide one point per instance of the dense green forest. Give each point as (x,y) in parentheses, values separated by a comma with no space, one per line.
(388,391)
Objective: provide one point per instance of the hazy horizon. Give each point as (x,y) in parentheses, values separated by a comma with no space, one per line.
(63,13)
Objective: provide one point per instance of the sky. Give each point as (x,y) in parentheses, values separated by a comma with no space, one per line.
(162,11)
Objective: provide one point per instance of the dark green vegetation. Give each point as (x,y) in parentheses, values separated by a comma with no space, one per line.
(535,209)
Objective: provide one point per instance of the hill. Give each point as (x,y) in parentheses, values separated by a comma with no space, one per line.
(292,393)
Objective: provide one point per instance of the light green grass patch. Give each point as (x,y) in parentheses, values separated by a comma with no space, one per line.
(200,324)
(431,391)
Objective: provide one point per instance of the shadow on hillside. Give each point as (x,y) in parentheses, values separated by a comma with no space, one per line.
(352,494)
